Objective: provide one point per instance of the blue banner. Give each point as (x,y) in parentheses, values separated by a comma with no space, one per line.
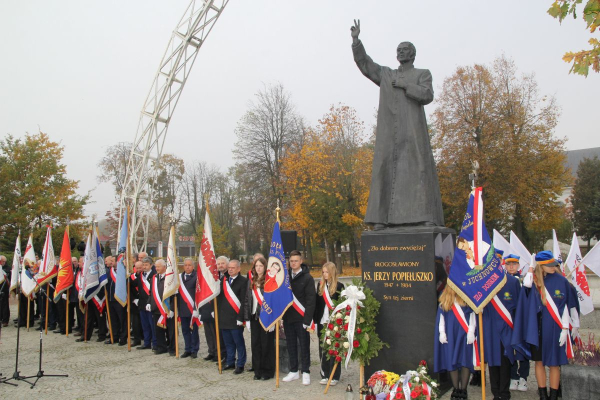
(476,273)
(121,284)
(277,288)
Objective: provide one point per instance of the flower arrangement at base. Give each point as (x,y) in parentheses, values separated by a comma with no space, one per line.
(415,385)
(382,381)
(350,333)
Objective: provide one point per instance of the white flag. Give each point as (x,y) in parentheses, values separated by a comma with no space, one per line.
(579,278)
(172,273)
(556,252)
(501,243)
(90,284)
(28,284)
(208,286)
(48,267)
(16,263)
(521,251)
(592,259)
(448,252)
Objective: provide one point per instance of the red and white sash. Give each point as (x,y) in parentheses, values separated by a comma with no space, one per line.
(300,308)
(502,311)
(327,298)
(460,316)
(188,300)
(258,296)
(113,276)
(77,283)
(162,321)
(553,310)
(100,303)
(146,284)
(234,302)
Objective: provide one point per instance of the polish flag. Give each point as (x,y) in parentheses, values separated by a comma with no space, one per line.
(208,286)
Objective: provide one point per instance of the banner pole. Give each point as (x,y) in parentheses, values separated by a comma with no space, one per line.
(28,307)
(128,316)
(67,317)
(47,295)
(218,337)
(106,302)
(330,377)
(174,297)
(482,362)
(86,322)
(361,380)
(277,353)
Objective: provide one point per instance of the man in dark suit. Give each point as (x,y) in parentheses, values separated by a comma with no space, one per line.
(136,323)
(187,309)
(164,327)
(118,313)
(231,316)
(4,292)
(143,281)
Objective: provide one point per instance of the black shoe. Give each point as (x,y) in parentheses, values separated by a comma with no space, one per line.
(209,357)
(476,379)
(144,347)
(454,395)
(185,355)
(158,352)
(194,355)
(51,327)
(256,378)
(77,334)
(251,369)
(81,339)
(238,370)
(266,378)
(136,343)
(553,394)
(101,339)
(122,342)
(225,368)
(107,341)
(57,331)
(543,392)
(172,353)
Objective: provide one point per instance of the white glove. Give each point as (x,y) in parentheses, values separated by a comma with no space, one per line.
(240,323)
(575,334)
(471,332)
(272,329)
(136,301)
(305,326)
(563,337)
(171,314)
(64,296)
(195,314)
(247,323)
(212,314)
(575,318)
(442,330)
(528,280)
(148,307)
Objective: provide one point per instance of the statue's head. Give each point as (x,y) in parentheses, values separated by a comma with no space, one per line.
(405,52)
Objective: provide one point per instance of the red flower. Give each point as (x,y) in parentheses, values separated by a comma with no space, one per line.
(399,396)
(358,330)
(425,390)
(338,359)
(336,353)
(423,363)
(339,321)
(355,344)
(338,335)
(346,327)
(347,312)
(337,344)
(331,352)
(348,308)
(414,395)
(358,307)
(330,326)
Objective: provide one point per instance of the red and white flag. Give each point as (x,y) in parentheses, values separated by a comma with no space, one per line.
(48,268)
(171,275)
(556,252)
(578,277)
(208,286)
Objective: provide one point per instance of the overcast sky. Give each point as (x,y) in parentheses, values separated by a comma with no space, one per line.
(81,70)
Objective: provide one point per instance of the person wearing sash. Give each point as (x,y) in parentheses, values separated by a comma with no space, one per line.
(207,316)
(162,312)
(143,282)
(455,348)
(186,307)
(231,316)
(5,292)
(298,319)
(136,323)
(329,290)
(118,313)
(519,371)
(96,309)
(550,308)
(498,317)
(262,342)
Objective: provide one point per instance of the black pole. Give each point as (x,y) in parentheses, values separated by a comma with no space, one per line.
(40,373)
(4,380)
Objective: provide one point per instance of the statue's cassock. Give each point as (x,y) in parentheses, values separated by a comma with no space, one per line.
(404,181)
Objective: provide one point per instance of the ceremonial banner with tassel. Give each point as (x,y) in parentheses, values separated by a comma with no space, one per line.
(121,283)
(48,268)
(65,278)
(16,263)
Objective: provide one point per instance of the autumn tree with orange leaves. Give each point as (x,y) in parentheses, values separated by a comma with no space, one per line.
(327,176)
(496,116)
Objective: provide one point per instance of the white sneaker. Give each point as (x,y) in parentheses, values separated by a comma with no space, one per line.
(333,382)
(514,384)
(522,385)
(306,378)
(292,376)
(323,381)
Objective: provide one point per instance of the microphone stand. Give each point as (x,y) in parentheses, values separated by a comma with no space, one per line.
(40,373)
(17,375)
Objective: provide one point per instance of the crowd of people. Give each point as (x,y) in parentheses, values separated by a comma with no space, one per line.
(239,304)
(531,319)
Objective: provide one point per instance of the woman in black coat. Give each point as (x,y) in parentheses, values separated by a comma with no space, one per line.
(329,290)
